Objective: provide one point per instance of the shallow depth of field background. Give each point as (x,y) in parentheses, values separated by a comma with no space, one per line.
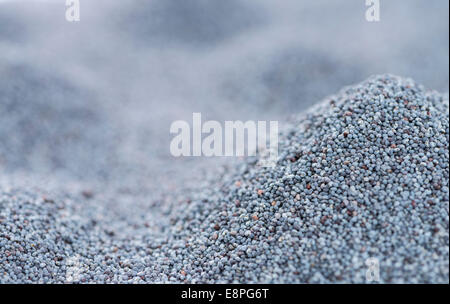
(94,100)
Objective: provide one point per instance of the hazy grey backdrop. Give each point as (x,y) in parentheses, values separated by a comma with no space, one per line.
(96,98)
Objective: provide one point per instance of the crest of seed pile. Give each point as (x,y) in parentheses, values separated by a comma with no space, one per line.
(362,175)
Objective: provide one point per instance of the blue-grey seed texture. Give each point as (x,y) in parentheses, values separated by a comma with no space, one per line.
(363,174)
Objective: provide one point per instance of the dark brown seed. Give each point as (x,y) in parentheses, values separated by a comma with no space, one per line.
(87,194)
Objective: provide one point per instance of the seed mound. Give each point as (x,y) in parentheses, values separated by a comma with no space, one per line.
(361,177)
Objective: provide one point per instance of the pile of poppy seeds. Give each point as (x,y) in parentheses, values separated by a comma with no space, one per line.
(361,175)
